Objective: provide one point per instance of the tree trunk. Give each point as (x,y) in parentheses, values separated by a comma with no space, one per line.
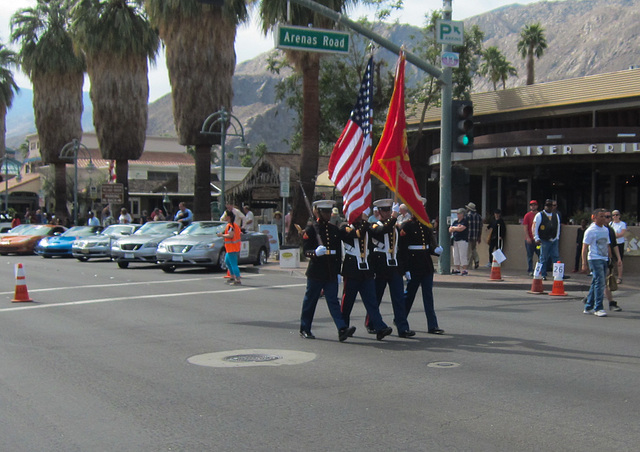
(310,142)
(202,184)
(530,67)
(122,177)
(60,190)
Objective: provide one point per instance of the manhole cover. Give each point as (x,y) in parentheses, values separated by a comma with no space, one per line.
(252,358)
(443,364)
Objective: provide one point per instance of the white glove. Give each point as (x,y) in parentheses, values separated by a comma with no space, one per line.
(396,207)
(339,279)
(438,251)
(408,276)
(321,250)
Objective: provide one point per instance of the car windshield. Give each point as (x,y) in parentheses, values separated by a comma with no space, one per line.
(158,227)
(80,231)
(116,229)
(37,229)
(20,229)
(204,228)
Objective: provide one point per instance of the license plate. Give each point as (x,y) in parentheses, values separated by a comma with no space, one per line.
(128,255)
(176,258)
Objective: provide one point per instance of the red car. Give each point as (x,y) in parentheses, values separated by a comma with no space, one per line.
(28,238)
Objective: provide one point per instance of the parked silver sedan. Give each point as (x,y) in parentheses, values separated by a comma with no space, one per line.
(141,246)
(199,246)
(99,246)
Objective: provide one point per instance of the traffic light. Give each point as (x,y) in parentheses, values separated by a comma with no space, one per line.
(461,126)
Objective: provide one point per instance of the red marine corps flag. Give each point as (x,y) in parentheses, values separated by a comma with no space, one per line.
(391,159)
(350,163)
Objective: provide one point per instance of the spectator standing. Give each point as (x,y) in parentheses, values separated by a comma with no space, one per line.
(248,224)
(92,220)
(375,215)
(277,220)
(124,217)
(595,253)
(237,212)
(579,238)
(529,242)
(183,216)
(615,261)
(157,215)
(107,218)
(16,220)
(335,219)
(460,234)
(403,215)
(546,233)
(620,228)
(497,233)
(475,234)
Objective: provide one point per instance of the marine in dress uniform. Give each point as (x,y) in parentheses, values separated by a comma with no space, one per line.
(358,276)
(321,245)
(417,245)
(386,265)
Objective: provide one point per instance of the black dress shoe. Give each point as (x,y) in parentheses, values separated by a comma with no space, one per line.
(408,333)
(436,331)
(307,335)
(371,330)
(380,334)
(344,333)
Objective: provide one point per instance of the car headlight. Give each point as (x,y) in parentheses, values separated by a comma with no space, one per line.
(203,246)
(43,241)
(162,247)
(115,246)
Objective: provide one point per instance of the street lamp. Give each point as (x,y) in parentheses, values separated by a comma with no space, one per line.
(9,166)
(71,151)
(217,125)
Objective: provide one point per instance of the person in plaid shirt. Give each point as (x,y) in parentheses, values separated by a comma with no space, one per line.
(475,234)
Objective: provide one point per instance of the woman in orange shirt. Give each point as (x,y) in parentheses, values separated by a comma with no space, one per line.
(232,246)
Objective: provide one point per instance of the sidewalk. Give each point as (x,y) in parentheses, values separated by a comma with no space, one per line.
(576,285)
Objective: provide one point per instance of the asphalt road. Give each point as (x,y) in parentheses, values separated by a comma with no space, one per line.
(108,359)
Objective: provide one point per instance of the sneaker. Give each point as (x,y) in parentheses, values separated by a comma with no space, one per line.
(613,306)
(476,265)
(601,313)
(588,311)
(488,265)
(455,272)
(464,273)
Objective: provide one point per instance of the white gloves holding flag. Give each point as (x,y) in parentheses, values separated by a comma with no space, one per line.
(438,251)
(396,207)
(408,276)
(321,250)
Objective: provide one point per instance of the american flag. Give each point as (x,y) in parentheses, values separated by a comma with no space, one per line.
(351,157)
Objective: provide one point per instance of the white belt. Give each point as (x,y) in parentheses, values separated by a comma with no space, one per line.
(417,247)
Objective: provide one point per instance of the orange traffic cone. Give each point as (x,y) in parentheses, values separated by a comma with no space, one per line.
(21,293)
(495,271)
(228,274)
(536,286)
(558,283)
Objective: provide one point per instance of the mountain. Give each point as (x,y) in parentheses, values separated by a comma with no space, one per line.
(584,37)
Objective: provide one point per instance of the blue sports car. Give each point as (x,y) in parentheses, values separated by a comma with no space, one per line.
(60,245)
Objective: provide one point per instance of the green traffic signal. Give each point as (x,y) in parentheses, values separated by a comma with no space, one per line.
(461,126)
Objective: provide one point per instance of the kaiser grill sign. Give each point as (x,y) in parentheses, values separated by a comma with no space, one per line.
(311,39)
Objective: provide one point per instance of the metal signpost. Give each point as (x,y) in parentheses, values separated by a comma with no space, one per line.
(70,151)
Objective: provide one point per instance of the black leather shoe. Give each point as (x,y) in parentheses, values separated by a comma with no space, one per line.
(371,330)
(436,331)
(307,335)
(405,334)
(345,333)
(380,334)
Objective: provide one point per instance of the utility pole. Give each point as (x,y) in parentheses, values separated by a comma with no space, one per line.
(444,239)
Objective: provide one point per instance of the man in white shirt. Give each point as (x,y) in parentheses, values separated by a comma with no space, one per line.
(546,233)
(92,220)
(596,252)
(248,224)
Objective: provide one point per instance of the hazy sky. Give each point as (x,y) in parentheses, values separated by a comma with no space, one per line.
(250,41)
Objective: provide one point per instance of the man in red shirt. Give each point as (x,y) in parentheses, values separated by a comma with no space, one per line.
(529,243)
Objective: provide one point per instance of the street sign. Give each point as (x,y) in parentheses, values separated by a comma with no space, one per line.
(284,181)
(112,193)
(450,32)
(450,59)
(311,39)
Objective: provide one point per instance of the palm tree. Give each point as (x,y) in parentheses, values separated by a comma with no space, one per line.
(57,73)
(117,41)
(273,12)
(532,44)
(496,67)
(199,41)
(8,88)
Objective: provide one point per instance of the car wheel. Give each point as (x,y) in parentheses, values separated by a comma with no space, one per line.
(123,264)
(262,257)
(221,264)
(168,268)
(83,258)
